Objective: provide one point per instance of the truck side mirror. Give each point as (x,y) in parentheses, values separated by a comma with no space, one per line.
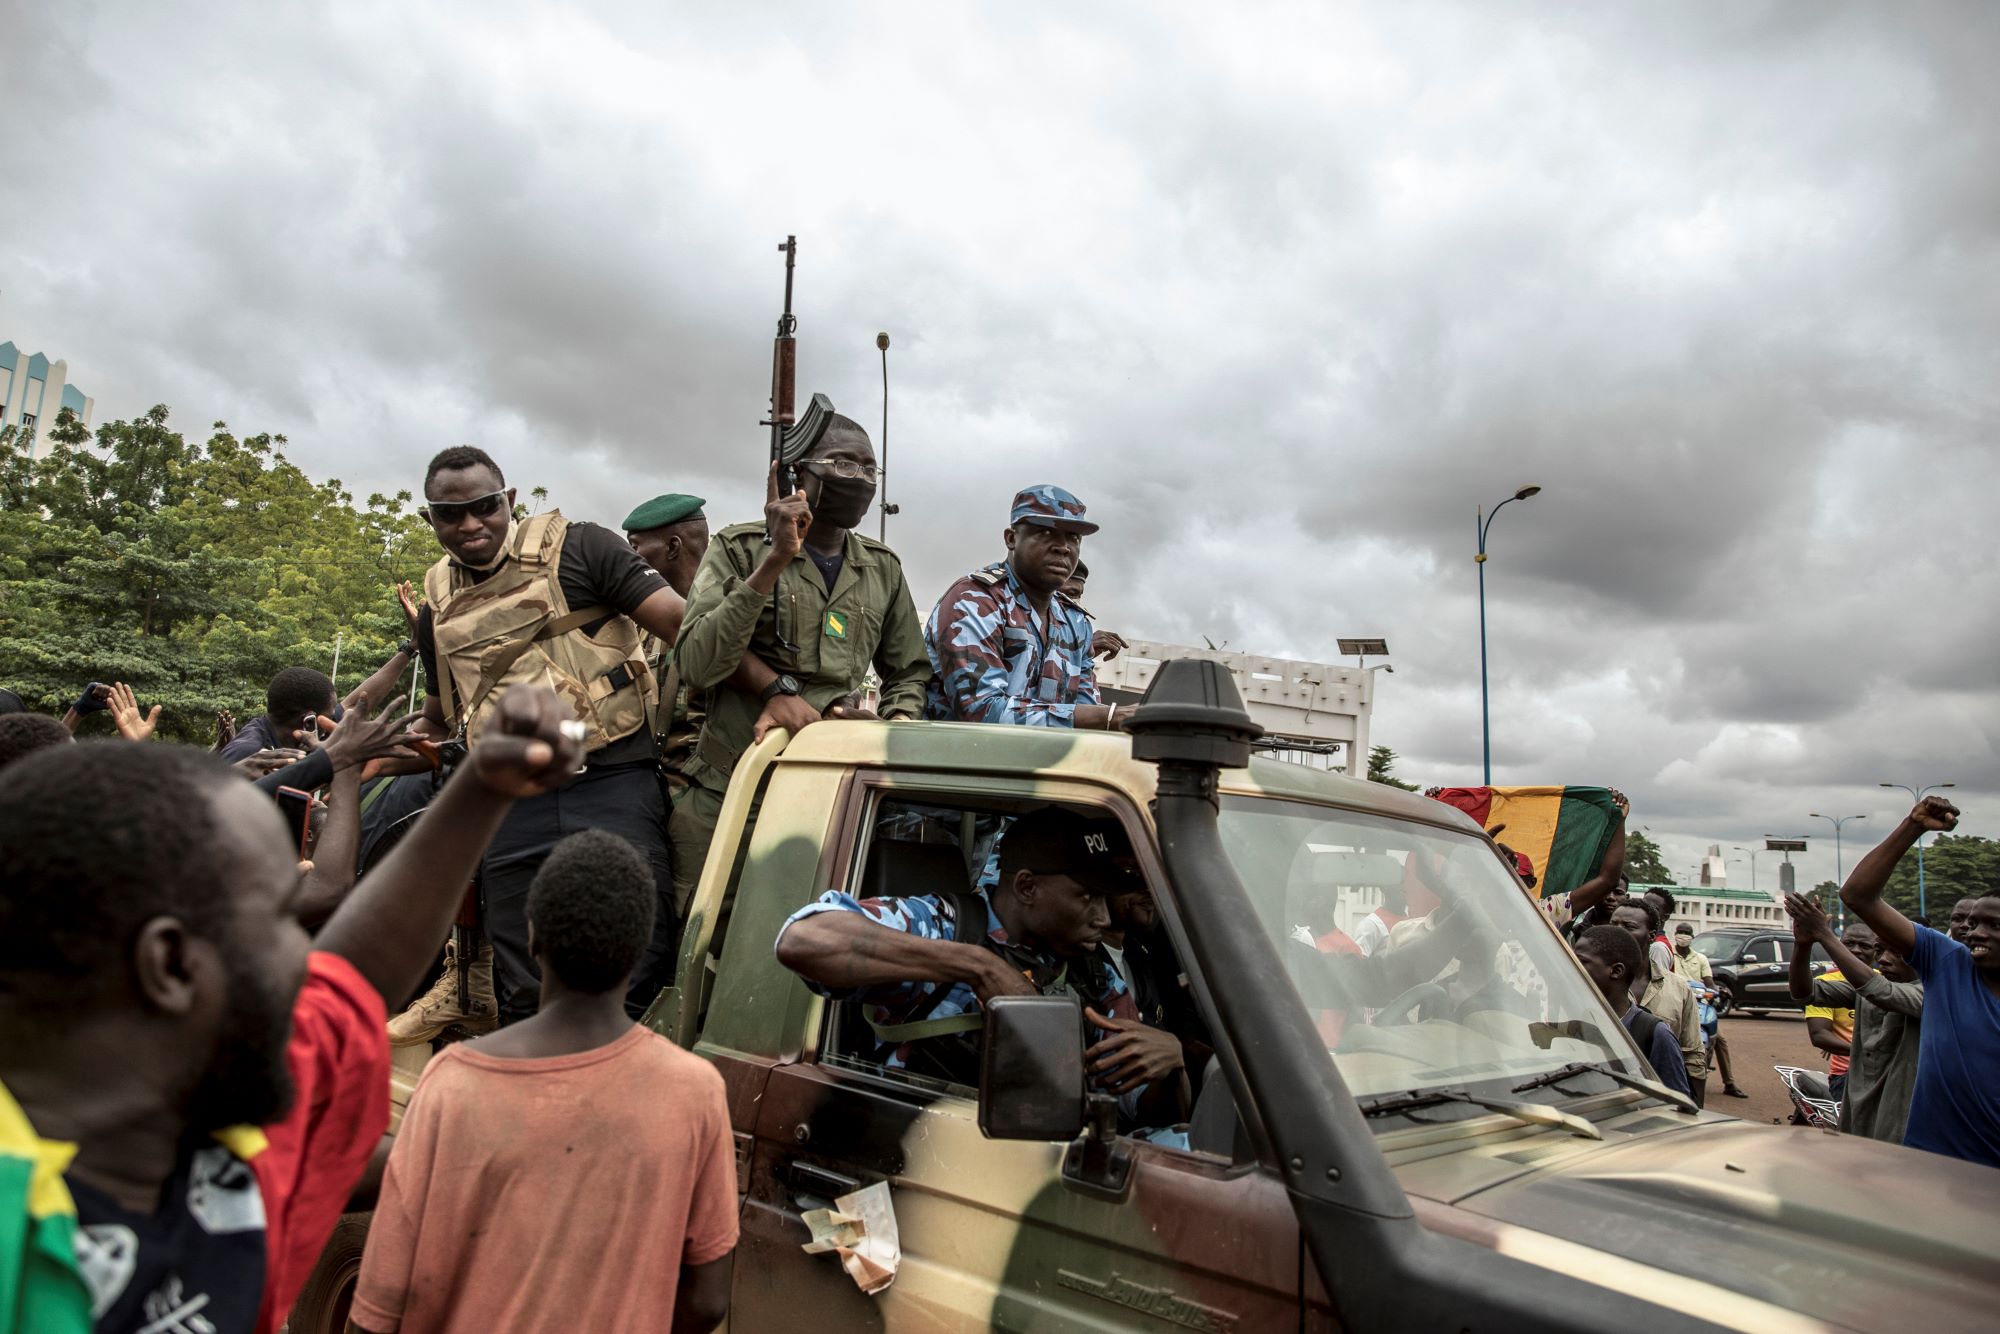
(1031,1080)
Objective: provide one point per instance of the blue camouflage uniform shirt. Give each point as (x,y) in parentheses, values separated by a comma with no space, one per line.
(930,918)
(996,661)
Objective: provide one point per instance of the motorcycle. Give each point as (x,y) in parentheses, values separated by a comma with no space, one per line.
(1813,1103)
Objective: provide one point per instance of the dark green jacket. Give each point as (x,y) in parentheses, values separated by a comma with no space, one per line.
(867,619)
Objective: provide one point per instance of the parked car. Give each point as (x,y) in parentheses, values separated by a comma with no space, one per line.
(1751,966)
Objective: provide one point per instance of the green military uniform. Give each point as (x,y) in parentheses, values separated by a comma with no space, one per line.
(868,618)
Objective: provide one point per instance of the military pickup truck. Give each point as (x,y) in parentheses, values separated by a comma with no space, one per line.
(1484,1149)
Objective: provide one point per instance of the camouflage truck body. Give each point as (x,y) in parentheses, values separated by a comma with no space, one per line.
(1722,1224)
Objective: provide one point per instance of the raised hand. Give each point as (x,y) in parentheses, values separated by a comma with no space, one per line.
(1107,644)
(412,604)
(225,728)
(268,761)
(530,744)
(786,518)
(357,738)
(1809,920)
(126,717)
(1935,814)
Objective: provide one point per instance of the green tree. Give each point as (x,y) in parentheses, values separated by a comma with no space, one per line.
(1381,763)
(193,571)
(1643,863)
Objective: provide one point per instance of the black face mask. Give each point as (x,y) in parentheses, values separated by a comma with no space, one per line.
(840,501)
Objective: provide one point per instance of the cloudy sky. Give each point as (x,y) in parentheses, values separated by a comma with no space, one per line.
(1284,292)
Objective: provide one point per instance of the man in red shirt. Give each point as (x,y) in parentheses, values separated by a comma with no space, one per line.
(210,1083)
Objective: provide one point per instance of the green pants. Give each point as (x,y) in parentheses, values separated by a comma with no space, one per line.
(691,829)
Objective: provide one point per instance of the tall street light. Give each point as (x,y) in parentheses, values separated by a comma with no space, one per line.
(1485,519)
(1753,863)
(1917,795)
(1839,872)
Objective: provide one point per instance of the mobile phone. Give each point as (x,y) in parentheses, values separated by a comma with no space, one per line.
(296,803)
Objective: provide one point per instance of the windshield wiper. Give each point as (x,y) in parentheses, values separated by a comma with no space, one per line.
(1575,1068)
(1534,1113)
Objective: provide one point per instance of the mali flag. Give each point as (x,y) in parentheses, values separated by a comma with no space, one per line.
(1563,831)
(41,1291)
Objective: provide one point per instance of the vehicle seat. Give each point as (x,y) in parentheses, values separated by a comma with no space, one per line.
(1214,1127)
(907,870)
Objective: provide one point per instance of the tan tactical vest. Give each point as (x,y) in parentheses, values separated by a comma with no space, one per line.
(517,626)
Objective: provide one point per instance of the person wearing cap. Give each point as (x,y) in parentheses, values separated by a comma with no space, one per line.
(1006,643)
(786,617)
(923,965)
(670,533)
(1105,644)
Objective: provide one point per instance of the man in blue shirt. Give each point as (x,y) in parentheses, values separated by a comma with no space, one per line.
(1006,643)
(1612,957)
(1955,1107)
(923,966)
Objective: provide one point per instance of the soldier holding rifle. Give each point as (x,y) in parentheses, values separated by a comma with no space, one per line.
(786,616)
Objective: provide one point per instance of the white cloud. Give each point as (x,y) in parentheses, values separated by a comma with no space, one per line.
(1284,291)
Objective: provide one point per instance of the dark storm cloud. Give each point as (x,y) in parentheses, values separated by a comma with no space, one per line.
(1284,292)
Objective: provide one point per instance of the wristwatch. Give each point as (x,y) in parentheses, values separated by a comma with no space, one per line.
(782,684)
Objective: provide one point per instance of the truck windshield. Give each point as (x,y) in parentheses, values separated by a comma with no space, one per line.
(1418,958)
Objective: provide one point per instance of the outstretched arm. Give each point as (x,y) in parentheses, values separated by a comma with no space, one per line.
(390,926)
(1863,891)
(844,951)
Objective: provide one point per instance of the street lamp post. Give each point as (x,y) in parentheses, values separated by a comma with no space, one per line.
(1753,863)
(1485,522)
(1917,795)
(1839,870)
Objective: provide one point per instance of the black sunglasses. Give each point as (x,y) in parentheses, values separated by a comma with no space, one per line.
(451,511)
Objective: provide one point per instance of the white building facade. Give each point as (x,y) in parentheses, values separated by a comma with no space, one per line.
(1320,706)
(33,390)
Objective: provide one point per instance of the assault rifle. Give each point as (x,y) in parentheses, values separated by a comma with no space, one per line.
(784,371)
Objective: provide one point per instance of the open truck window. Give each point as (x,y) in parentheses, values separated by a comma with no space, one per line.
(943,850)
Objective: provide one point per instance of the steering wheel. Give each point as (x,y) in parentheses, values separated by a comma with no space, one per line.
(1398,1010)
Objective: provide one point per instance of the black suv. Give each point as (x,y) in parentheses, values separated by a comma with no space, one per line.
(1751,965)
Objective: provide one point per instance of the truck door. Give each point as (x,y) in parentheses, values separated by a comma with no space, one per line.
(991,1234)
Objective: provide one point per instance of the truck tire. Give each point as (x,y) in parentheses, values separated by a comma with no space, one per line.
(329,1290)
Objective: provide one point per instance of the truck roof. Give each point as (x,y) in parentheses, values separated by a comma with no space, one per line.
(1104,757)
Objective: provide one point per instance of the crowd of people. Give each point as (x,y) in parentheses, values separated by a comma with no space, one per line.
(204,968)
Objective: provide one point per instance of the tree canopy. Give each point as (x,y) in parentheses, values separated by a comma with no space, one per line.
(1643,863)
(194,571)
(1381,768)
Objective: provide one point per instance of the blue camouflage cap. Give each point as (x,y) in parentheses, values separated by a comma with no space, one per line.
(1051,507)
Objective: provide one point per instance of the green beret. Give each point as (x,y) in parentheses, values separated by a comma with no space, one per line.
(663,510)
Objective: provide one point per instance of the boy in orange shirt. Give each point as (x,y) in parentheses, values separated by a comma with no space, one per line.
(529,1155)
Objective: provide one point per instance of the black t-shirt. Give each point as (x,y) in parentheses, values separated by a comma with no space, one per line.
(196,1263)
(829,565)
(599,568)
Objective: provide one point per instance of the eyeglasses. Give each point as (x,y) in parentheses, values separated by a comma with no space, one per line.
(446,512)
(847,468)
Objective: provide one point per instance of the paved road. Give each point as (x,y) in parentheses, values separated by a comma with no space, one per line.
(1755,1045)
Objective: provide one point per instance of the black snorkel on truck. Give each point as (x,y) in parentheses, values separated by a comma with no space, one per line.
(1383,1269)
